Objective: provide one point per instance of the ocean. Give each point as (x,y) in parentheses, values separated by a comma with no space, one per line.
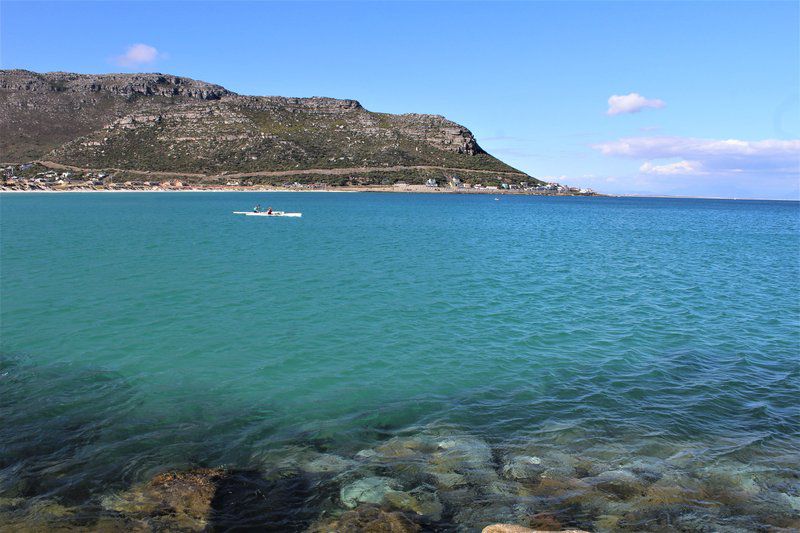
(601,363)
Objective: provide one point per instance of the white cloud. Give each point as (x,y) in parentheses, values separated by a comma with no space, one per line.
(689,166)
(723,154)
(655,147)
(710,155)
(137,55)
(631,103)
(679,167)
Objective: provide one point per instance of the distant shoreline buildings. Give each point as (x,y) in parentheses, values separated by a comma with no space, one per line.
(38,177)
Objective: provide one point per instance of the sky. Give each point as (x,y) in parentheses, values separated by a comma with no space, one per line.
(683,98)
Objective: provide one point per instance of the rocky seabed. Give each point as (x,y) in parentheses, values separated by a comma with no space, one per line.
(437,481)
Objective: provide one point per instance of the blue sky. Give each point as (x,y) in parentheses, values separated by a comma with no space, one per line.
(706,94)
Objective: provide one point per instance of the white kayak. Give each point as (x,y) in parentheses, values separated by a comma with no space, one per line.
(265,214)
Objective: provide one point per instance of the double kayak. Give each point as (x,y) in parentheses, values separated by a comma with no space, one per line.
(265,214)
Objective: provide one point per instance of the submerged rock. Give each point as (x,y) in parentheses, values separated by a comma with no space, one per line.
(586,468)
(442,453)
(648,470)
(589,503)
(607,522)
(662,494)
(513,528)
(387,492)
(545,521)
(620,483)
(463,451)
(117,523)
(21,515)
(793,501)
(447,461)
(417,501)
(213,498)
(449,480)
(731,478)
(367,490)
(405,447)
(524,468)
(179,499)
(472,517)
(669,518)
(506,528)
(366,519)
(469,458)
(504,489)
(326,463)
(10,503)
(531,466)
(295,460)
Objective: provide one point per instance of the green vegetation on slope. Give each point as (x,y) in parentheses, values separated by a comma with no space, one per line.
(161,123)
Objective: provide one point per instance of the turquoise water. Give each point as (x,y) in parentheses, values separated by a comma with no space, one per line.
(146,332)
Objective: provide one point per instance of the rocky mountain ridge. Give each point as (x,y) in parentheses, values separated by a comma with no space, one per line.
(166,123)
(123,84)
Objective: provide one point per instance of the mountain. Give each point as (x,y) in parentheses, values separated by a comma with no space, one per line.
(162,123)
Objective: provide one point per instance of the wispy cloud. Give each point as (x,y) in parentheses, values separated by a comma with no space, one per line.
(708,156)
(631,103)
(138,55)
(669,169)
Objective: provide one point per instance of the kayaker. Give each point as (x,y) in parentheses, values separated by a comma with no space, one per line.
(257,208)
(269,210)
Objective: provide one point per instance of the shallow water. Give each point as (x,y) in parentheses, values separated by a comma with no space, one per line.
(147,332)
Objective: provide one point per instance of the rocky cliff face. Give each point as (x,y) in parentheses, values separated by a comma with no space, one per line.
(159,122)
(128,85)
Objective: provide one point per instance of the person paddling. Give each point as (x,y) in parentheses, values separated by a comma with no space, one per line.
(257,208)
(269,210)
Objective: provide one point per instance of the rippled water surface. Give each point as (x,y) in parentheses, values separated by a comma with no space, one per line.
(651,342)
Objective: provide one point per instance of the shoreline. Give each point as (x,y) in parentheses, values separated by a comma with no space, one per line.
(420,189)
(411,189)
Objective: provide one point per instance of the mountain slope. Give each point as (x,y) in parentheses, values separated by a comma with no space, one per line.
(163,123)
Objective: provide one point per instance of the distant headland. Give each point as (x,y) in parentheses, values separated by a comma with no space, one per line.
(66,131)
